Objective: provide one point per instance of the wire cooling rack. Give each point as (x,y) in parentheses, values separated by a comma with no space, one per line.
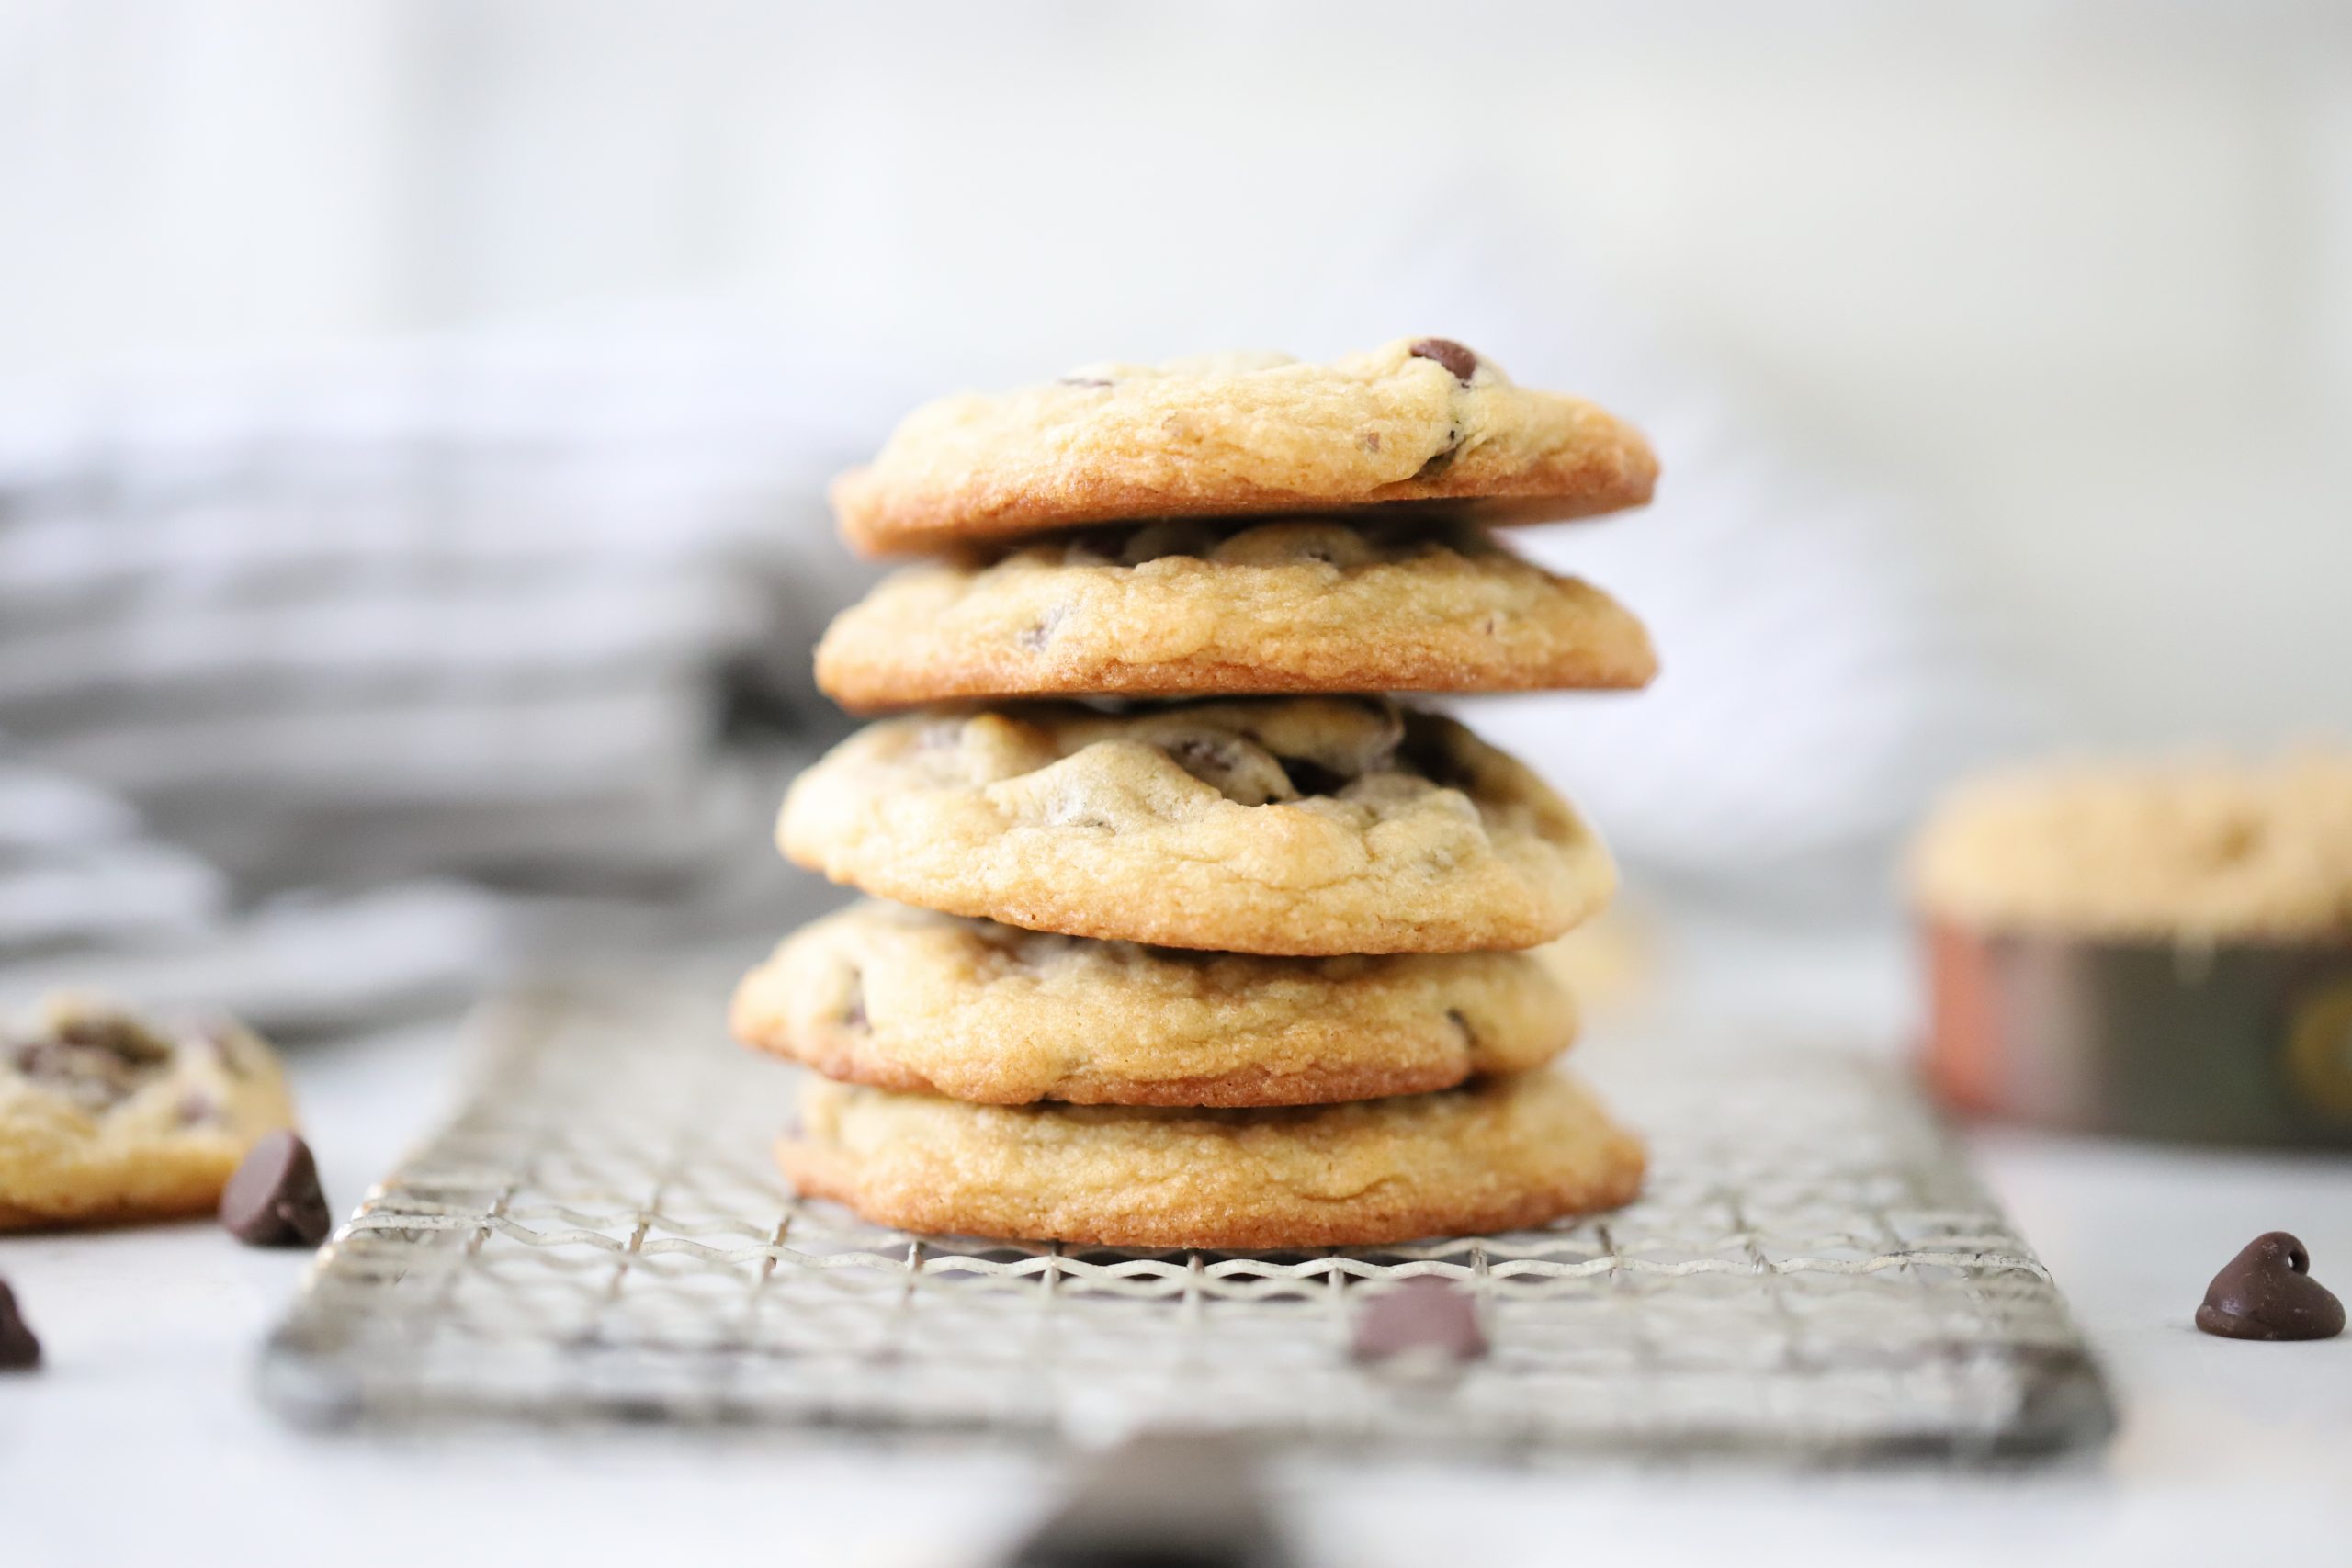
(1811,1274)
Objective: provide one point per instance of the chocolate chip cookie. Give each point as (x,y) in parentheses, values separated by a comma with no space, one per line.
(2191,853)
(1242,434)
(1180,609)
(1299,826)
(1499,1154)
(106,1117)
(905,998)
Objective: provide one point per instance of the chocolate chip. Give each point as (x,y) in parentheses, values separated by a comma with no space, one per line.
(1469,1035)
(1425,751)
(1083,381)
(19,1351)
(96,1077)
(1240,770)
(853,1010)
(274,1199)
(1312,777)
(1425,1316)
(2267,1292)
(1449,354)
(195,1106)
(114,1032)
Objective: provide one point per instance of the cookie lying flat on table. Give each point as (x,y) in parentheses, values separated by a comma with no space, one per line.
(1175,609)
(1498,1155)
(1418,420)
(106,1118)
(904,999)
(1302,825)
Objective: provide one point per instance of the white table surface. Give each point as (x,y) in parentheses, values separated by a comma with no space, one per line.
(140,1441)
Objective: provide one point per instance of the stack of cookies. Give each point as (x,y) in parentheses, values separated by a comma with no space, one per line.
(1194,936)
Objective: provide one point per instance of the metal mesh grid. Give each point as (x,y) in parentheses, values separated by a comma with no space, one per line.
(1811,1273)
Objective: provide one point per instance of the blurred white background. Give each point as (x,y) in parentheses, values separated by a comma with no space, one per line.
(413,412)
(2076,277)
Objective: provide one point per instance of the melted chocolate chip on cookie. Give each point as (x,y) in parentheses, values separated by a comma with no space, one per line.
(94,1059)
(1449,354)
(1239,769)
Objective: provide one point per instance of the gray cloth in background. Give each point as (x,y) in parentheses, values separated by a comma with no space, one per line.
(415,638)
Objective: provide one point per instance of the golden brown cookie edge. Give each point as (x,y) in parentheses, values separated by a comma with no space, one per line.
(1611,468)
(1616,655)
(816,1172)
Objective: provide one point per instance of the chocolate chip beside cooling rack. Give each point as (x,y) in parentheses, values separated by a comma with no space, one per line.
(1426,1317)
(274,1199)
(2266,1292)
(19,1351)
(1449,354)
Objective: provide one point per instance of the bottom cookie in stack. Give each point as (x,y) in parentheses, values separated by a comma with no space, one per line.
(1494,1153)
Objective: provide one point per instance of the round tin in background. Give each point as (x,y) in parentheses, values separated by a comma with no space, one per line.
(2237,1042)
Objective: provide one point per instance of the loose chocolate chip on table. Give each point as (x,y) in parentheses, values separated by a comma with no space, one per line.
(2267,1292)
(1449,354)
(18,1348)
(274,1199)
(1424,1314)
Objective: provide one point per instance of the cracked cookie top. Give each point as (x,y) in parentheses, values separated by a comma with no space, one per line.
(905,998)
(1181,608)
(1418,419)
(1301,827)
(105,1115)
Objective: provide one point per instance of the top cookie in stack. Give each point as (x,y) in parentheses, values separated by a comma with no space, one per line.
(1332,1037)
